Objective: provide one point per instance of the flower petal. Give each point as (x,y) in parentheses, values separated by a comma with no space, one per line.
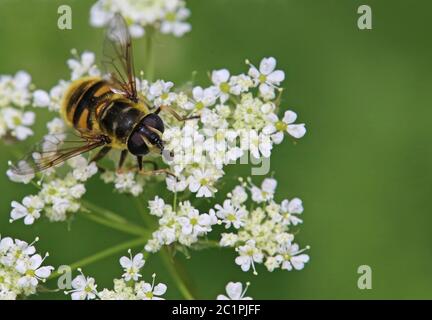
(160,289)
(297,130)
(276,76)
(267,65)
(295,206)
(289,117)
(234,290)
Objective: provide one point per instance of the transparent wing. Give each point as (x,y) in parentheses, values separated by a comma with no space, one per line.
(54,149)
(118,57)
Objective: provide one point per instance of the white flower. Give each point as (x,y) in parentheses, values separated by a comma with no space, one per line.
(132,266)
(248,254)
(5,244)
(249,113)
(291,257)
(178,184)
(125,182)
(228,239)
(84,288)
(56,95)
(147,291)
(238,195)
(242,82)
(159,93)
(82,170)
(32,271)
(230,214)
(61,206)
(258,144)
(14,90)
(235,291)
(272,263)
(276,127)
(99,15)
(174,22)
(266,192)
(220,79)
(202,182)
(202,98)
(290,210)
(18,122)
(22,249)
(56,126)
(41,98)
(83,65)
(267,77)
(195,223)
(29,209)
(157,206)
(77,191)
(167,16)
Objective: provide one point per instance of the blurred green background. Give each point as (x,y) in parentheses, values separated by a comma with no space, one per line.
(363,170)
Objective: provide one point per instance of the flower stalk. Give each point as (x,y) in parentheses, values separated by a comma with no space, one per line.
(104,254)
(179,281)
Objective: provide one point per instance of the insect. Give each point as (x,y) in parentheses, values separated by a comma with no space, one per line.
(106,113)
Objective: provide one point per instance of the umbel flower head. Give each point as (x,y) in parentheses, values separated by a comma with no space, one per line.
(167,16)
(261,233)
(21,269)
(129,287)
(183,225)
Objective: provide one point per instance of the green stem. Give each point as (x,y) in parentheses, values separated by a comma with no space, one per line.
(104,212)
(175,201)
(104,254)
(170,265)
(149,65)
(209,243)
(125,227)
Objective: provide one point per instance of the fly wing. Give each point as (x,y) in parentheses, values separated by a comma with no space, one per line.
(118,57)
(54,149)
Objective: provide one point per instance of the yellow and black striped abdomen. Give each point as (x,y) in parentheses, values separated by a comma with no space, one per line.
(90,106)
(84,99)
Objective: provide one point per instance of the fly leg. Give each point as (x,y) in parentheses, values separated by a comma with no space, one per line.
(101,153)
(156,172)
(98,156)
(140,163)
(175,114)
(123,155)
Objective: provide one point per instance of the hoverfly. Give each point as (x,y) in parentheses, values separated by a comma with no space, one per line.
(105,113)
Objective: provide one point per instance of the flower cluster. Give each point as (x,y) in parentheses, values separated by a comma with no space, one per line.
(15,98)
(130,182)
(238,114)
(184,224)
(58,196)
(129,287)
(167,16)
(21,269)
(261,234)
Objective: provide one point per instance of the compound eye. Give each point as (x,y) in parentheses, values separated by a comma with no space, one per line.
(154,121)
(136,145)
